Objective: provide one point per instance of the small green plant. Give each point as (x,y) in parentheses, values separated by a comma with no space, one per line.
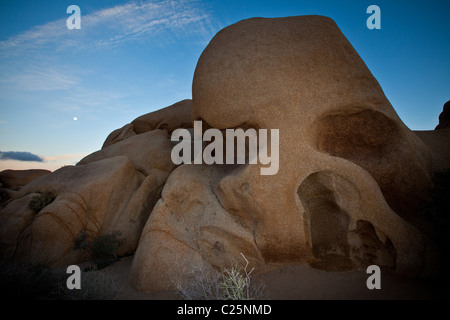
(102,250)
(230,284)
(40,201)
(235,285)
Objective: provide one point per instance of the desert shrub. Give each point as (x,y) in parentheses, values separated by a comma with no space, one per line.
(40,201)
(230,284)
(205,287)
(81,241)
(102,250)
(235,285)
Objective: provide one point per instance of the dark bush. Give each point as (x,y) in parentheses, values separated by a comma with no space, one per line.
(40,201)
(102,250)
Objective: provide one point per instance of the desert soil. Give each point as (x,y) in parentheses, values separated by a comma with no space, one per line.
(302,282)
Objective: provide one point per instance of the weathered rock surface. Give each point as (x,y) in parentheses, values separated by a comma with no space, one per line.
(438,141)
(148,151)
(189,231)
(13,180)
(444,117)
(98,198)
(301,75)
(5,195)
(350,171)
(170,118)
(112,190)
(351,175)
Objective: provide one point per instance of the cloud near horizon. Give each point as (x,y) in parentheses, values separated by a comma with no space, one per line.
(51,163)
(20,156)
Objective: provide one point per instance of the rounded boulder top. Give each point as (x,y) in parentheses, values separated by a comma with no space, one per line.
(274,68)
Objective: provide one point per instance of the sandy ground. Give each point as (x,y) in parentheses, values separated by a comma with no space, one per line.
(302,282)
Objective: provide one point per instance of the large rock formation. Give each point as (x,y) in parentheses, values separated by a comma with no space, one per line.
(189,230)
(112,190)
(351,177)
(350,171)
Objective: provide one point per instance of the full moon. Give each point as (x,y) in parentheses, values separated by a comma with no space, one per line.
(75,118)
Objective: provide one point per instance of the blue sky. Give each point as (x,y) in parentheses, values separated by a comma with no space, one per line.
(133,57)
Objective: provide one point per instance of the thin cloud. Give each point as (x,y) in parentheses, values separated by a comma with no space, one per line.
(115,26)
(40,59)
(51,163)
(42,79)
(20,156)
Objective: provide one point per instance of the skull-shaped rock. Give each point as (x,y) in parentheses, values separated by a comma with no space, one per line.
(351,174)
(339,136)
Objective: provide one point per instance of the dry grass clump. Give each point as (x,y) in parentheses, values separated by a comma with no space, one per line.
(230,284)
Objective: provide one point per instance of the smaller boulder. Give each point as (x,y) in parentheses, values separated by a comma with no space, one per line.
(168,119)
(444,117)
(16,179)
